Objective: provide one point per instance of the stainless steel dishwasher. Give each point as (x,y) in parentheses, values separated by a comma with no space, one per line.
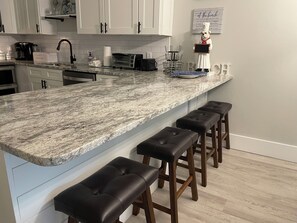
(76,77)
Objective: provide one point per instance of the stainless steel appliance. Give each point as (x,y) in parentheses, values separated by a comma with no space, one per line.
(148,64)
(76,77)
(127,61)
(7,80)
(24,50)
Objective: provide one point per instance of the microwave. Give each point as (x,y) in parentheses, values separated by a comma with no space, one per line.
(127,61)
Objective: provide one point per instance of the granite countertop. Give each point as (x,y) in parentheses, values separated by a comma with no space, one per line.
(53,126)
(6,62)
(77,67)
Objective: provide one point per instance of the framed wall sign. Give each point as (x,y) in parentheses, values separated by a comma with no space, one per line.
(212,15)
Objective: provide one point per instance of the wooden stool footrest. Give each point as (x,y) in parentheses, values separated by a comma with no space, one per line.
(162,208)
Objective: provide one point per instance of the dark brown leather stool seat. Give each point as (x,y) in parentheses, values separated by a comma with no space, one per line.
(106,194)
(168,145)
(201,122)
(221,108)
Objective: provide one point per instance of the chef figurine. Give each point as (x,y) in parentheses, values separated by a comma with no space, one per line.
(203,48)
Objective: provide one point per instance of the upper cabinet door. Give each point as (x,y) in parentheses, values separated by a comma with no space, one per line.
(8,16)
(26,16)
(88,17)
(32,16)
(45,26)
(121,16)
(149,16)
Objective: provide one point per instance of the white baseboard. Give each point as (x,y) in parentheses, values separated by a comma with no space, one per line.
(264,147)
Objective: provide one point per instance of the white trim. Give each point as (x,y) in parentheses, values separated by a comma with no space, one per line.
(264,147)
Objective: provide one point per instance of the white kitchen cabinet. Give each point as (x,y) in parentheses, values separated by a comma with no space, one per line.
(36,83)
(26,17)
(41,78)
(22,78)
(151,17)
(121,16)
(155,16)
(30,17)
(106,16)
(7,17)
(88,17)
(45,26)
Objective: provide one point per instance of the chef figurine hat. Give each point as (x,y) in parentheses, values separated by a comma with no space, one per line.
(206,27)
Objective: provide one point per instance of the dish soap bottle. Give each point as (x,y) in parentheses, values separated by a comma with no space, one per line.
(90,57)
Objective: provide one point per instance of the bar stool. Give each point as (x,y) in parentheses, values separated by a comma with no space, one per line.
(222,108)
(168,145)
(106,194)
(201,122)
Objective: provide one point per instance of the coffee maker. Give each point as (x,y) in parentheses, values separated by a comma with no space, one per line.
(24,51)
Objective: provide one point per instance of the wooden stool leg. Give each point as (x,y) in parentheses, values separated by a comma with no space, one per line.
(214,145)
(227,131)
(220,142)
(148,206)
(203,160)
(163,171)
(72,220)
(192,173)
(172,192)
(136,209)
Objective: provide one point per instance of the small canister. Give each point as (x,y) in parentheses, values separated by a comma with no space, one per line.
(8,53)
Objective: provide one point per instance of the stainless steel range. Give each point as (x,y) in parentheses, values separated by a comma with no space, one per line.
(8,83)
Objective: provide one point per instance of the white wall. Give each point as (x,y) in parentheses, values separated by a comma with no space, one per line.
(260,40)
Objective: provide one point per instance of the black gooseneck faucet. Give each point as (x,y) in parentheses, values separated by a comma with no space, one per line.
(72,58)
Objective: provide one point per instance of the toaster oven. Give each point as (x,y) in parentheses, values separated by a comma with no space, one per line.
(126,61)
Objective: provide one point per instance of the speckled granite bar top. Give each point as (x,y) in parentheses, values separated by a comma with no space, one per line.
(50,127)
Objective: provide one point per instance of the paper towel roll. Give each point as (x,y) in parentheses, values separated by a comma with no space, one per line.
(107,56)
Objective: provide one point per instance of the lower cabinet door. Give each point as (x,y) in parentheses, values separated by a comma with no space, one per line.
(36,83)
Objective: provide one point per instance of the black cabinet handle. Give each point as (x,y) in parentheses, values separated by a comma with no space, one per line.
(3,28)
(45,84)
(105,25)
(42,85)
(101,27)
(37,28)
(139,27)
